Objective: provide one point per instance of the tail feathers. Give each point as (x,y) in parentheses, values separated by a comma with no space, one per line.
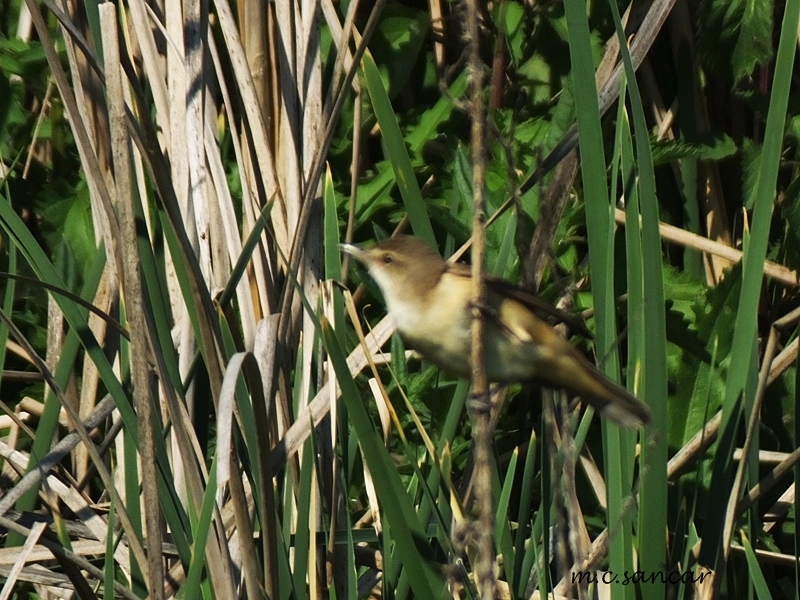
(575,373)
(623,408)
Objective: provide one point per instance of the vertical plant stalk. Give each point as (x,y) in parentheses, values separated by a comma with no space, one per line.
(120,144)
(481,414)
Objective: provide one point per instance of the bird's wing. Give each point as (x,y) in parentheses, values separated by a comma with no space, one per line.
(543,309)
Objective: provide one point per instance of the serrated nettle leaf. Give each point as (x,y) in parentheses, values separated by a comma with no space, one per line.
(751,165)
(754,46)
(709,147)
(683,292)
(736,35)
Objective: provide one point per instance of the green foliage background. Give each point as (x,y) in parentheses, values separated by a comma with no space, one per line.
(344,509)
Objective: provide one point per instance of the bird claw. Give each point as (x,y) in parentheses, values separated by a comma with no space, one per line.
(479,403)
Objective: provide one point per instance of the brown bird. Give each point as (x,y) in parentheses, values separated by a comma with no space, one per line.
(430,302)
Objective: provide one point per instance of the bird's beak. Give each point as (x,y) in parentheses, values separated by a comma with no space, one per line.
(356,252)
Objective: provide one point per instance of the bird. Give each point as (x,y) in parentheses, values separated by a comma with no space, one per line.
(430,303)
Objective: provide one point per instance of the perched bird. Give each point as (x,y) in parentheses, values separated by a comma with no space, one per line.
(430,302)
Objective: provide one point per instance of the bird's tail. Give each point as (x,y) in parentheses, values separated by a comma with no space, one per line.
(574,372)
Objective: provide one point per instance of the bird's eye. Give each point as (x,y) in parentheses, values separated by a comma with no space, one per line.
(387,259)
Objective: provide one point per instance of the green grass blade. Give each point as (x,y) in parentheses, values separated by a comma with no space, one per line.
(397,152)
(302,535)
(754,570)
(521,574)
(599,221)
(201,528)
(599,226)
(502,532)
(652,320)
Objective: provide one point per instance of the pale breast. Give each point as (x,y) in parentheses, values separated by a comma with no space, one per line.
(441,330)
